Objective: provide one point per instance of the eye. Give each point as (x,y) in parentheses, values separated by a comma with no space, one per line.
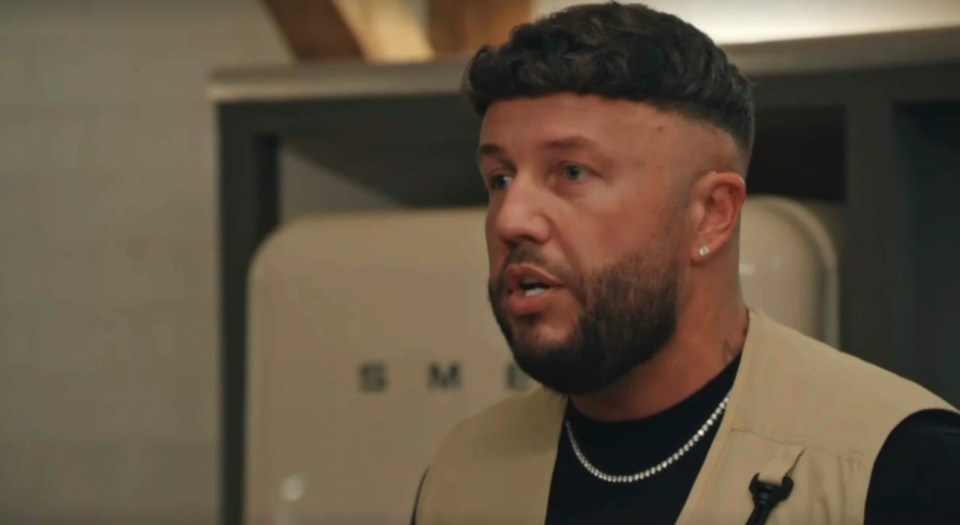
(573,172)
(499,182)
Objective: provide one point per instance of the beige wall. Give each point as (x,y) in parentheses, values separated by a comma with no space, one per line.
(108,346)
(737,21)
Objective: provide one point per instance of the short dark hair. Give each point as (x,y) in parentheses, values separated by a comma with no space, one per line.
(620,52)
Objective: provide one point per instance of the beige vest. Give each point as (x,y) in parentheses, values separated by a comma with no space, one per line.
(797,407)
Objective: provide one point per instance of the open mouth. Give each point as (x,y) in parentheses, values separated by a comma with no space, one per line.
(530,287)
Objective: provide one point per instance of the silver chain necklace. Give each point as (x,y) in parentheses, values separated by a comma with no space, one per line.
(656,469)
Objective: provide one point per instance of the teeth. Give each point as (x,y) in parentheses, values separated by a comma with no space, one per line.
(528,280)
(533,292)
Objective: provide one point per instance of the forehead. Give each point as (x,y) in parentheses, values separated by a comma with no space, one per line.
(606,121)
(627,132)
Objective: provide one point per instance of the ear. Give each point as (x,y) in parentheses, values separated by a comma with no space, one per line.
(718,198)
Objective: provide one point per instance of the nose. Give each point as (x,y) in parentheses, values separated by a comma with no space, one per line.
(519,214)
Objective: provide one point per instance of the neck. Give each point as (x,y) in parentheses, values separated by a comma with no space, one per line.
(706,341)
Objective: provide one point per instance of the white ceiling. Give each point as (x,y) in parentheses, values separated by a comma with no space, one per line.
(737,21)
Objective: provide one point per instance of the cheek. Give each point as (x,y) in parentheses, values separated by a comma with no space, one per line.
(612,236)
(624,231)
(495,251)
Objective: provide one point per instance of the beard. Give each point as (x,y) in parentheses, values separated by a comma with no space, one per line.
(628,312)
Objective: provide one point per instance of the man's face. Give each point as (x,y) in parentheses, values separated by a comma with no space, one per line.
(585,233)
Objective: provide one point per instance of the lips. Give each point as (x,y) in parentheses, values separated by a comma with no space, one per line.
(529,289)
(523,277)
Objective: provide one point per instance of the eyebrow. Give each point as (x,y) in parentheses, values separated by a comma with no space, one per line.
(572,143)
(496,151)
(580,143)
(488,149)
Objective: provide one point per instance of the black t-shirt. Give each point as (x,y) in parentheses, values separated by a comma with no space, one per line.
(576,497)
(915,481)
(916,478)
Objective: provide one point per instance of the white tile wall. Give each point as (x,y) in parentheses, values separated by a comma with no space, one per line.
(108,334)
(13,72)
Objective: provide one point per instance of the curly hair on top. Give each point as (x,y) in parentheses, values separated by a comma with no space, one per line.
(620,52)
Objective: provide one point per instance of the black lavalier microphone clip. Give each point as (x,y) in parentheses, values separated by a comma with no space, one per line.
(766,496)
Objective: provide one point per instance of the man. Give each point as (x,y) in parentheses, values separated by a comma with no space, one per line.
(615,144)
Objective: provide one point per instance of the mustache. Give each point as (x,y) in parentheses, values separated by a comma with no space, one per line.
(522,255)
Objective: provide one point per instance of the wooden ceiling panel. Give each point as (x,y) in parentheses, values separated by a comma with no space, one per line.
(460,27)
(314,29)
(388,30)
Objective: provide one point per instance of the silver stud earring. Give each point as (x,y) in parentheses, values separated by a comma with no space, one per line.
(704,251)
